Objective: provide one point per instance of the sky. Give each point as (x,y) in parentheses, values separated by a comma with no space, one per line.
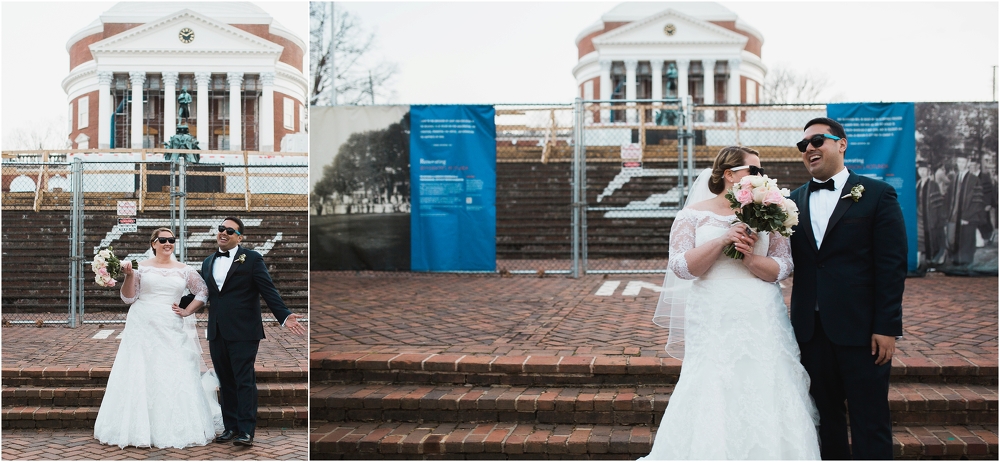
(524,52)
(33,38)
(489,52)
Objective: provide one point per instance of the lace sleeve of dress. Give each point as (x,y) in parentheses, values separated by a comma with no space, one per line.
(682,234)
(780,250)
(196,285)
(136,278)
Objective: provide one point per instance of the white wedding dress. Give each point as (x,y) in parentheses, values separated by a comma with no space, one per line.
(156,393)
(742,393)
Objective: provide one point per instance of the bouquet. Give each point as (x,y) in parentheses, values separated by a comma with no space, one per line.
(107,268)
(761,205)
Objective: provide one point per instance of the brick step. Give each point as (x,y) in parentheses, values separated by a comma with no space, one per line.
(403,440)
(269,393)
(97,376)
(598,370)
(84,416)
(911,404)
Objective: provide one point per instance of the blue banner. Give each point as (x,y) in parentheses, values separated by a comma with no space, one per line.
(881,144)
(453,174)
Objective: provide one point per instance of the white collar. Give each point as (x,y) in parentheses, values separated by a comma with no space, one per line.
(232,251)
(839,179)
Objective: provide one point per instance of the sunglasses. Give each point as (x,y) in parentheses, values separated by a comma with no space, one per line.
(164,240)
(229,231)
(816,140)
(754,170)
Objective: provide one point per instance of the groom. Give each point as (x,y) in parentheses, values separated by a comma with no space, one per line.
(849,250)
(237,279)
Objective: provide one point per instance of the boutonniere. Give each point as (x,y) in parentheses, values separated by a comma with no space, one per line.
(243,256)
(855,194)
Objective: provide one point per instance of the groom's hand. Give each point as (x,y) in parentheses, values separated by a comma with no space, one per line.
(883,346)
(292,323)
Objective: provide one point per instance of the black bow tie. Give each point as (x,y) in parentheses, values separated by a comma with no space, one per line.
(222,254)
(827,185)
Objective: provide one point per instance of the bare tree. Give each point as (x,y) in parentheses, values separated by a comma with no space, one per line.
(785,86)
(50,134)
(360,78)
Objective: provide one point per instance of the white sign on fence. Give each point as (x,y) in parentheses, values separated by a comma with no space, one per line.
(126,208)
(631,151)
(128,225)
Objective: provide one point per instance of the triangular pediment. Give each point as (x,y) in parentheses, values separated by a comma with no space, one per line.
(686,30)
(164,35)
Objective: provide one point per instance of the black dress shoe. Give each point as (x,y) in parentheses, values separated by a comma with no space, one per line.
(226,437)
(243,440)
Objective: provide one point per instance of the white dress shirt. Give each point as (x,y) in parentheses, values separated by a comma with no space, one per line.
(822,203)
(221,267)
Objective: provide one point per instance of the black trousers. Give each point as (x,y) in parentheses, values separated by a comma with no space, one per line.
(840,373)
(234,363)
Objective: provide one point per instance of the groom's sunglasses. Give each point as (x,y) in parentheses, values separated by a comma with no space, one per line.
(229,231)
(754,170)
(164,240)
(816,140)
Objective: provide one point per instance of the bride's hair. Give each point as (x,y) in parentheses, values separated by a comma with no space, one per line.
(729,157)
(156,234)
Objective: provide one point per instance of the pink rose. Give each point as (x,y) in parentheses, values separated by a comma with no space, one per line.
(103,272)
(112,283)
(744,197)
(773,197)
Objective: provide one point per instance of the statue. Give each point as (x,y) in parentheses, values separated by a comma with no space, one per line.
(183,104)
(182,140)
(669,117)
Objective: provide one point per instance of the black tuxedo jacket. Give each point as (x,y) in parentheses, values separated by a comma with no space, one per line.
(234,309)
(857,275)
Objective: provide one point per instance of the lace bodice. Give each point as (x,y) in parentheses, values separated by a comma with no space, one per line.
(166,284)
(692,228)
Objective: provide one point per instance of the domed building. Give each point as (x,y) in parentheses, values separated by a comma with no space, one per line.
(658,50)
(239,75)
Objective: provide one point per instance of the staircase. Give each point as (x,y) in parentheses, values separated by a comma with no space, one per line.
(69,397)
(442,406)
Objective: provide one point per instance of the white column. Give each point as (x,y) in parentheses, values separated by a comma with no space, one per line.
(630,65)
(708,85)
(605,89)
(682,77)
(137,79)
(734,81)
(104,102)
(169,105)
(657,66)
(202,79)
(235,80)
(265,132)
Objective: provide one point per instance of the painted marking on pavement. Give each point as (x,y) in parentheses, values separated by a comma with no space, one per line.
(103,334)
(608,288)
(633,287)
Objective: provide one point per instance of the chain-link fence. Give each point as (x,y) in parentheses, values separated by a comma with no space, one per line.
(61,207)
(639,156)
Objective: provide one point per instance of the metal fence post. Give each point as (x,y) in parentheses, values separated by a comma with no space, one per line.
(76,260)
(182,212)
(690,144)
(577,149)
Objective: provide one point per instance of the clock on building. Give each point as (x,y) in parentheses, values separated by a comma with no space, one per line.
(669,29)
(186,35)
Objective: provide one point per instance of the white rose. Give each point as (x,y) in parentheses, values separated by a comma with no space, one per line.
(785,192)
(105,253)
(791,220)
(756,181)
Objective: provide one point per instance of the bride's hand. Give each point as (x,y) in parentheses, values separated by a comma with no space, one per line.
(127,267)
(737,233)
(745,246)
(180,311)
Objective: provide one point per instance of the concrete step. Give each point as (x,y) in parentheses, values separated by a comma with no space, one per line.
(97,376)
(597,370)
(403,440)
(911,404)
(268,393)
(84,416)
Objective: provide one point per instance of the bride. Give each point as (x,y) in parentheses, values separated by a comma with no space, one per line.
(155,394)
(742,393)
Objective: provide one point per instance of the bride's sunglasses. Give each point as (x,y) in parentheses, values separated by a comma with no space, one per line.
(164,240)
(815,140)
(229,231)
(754,170)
